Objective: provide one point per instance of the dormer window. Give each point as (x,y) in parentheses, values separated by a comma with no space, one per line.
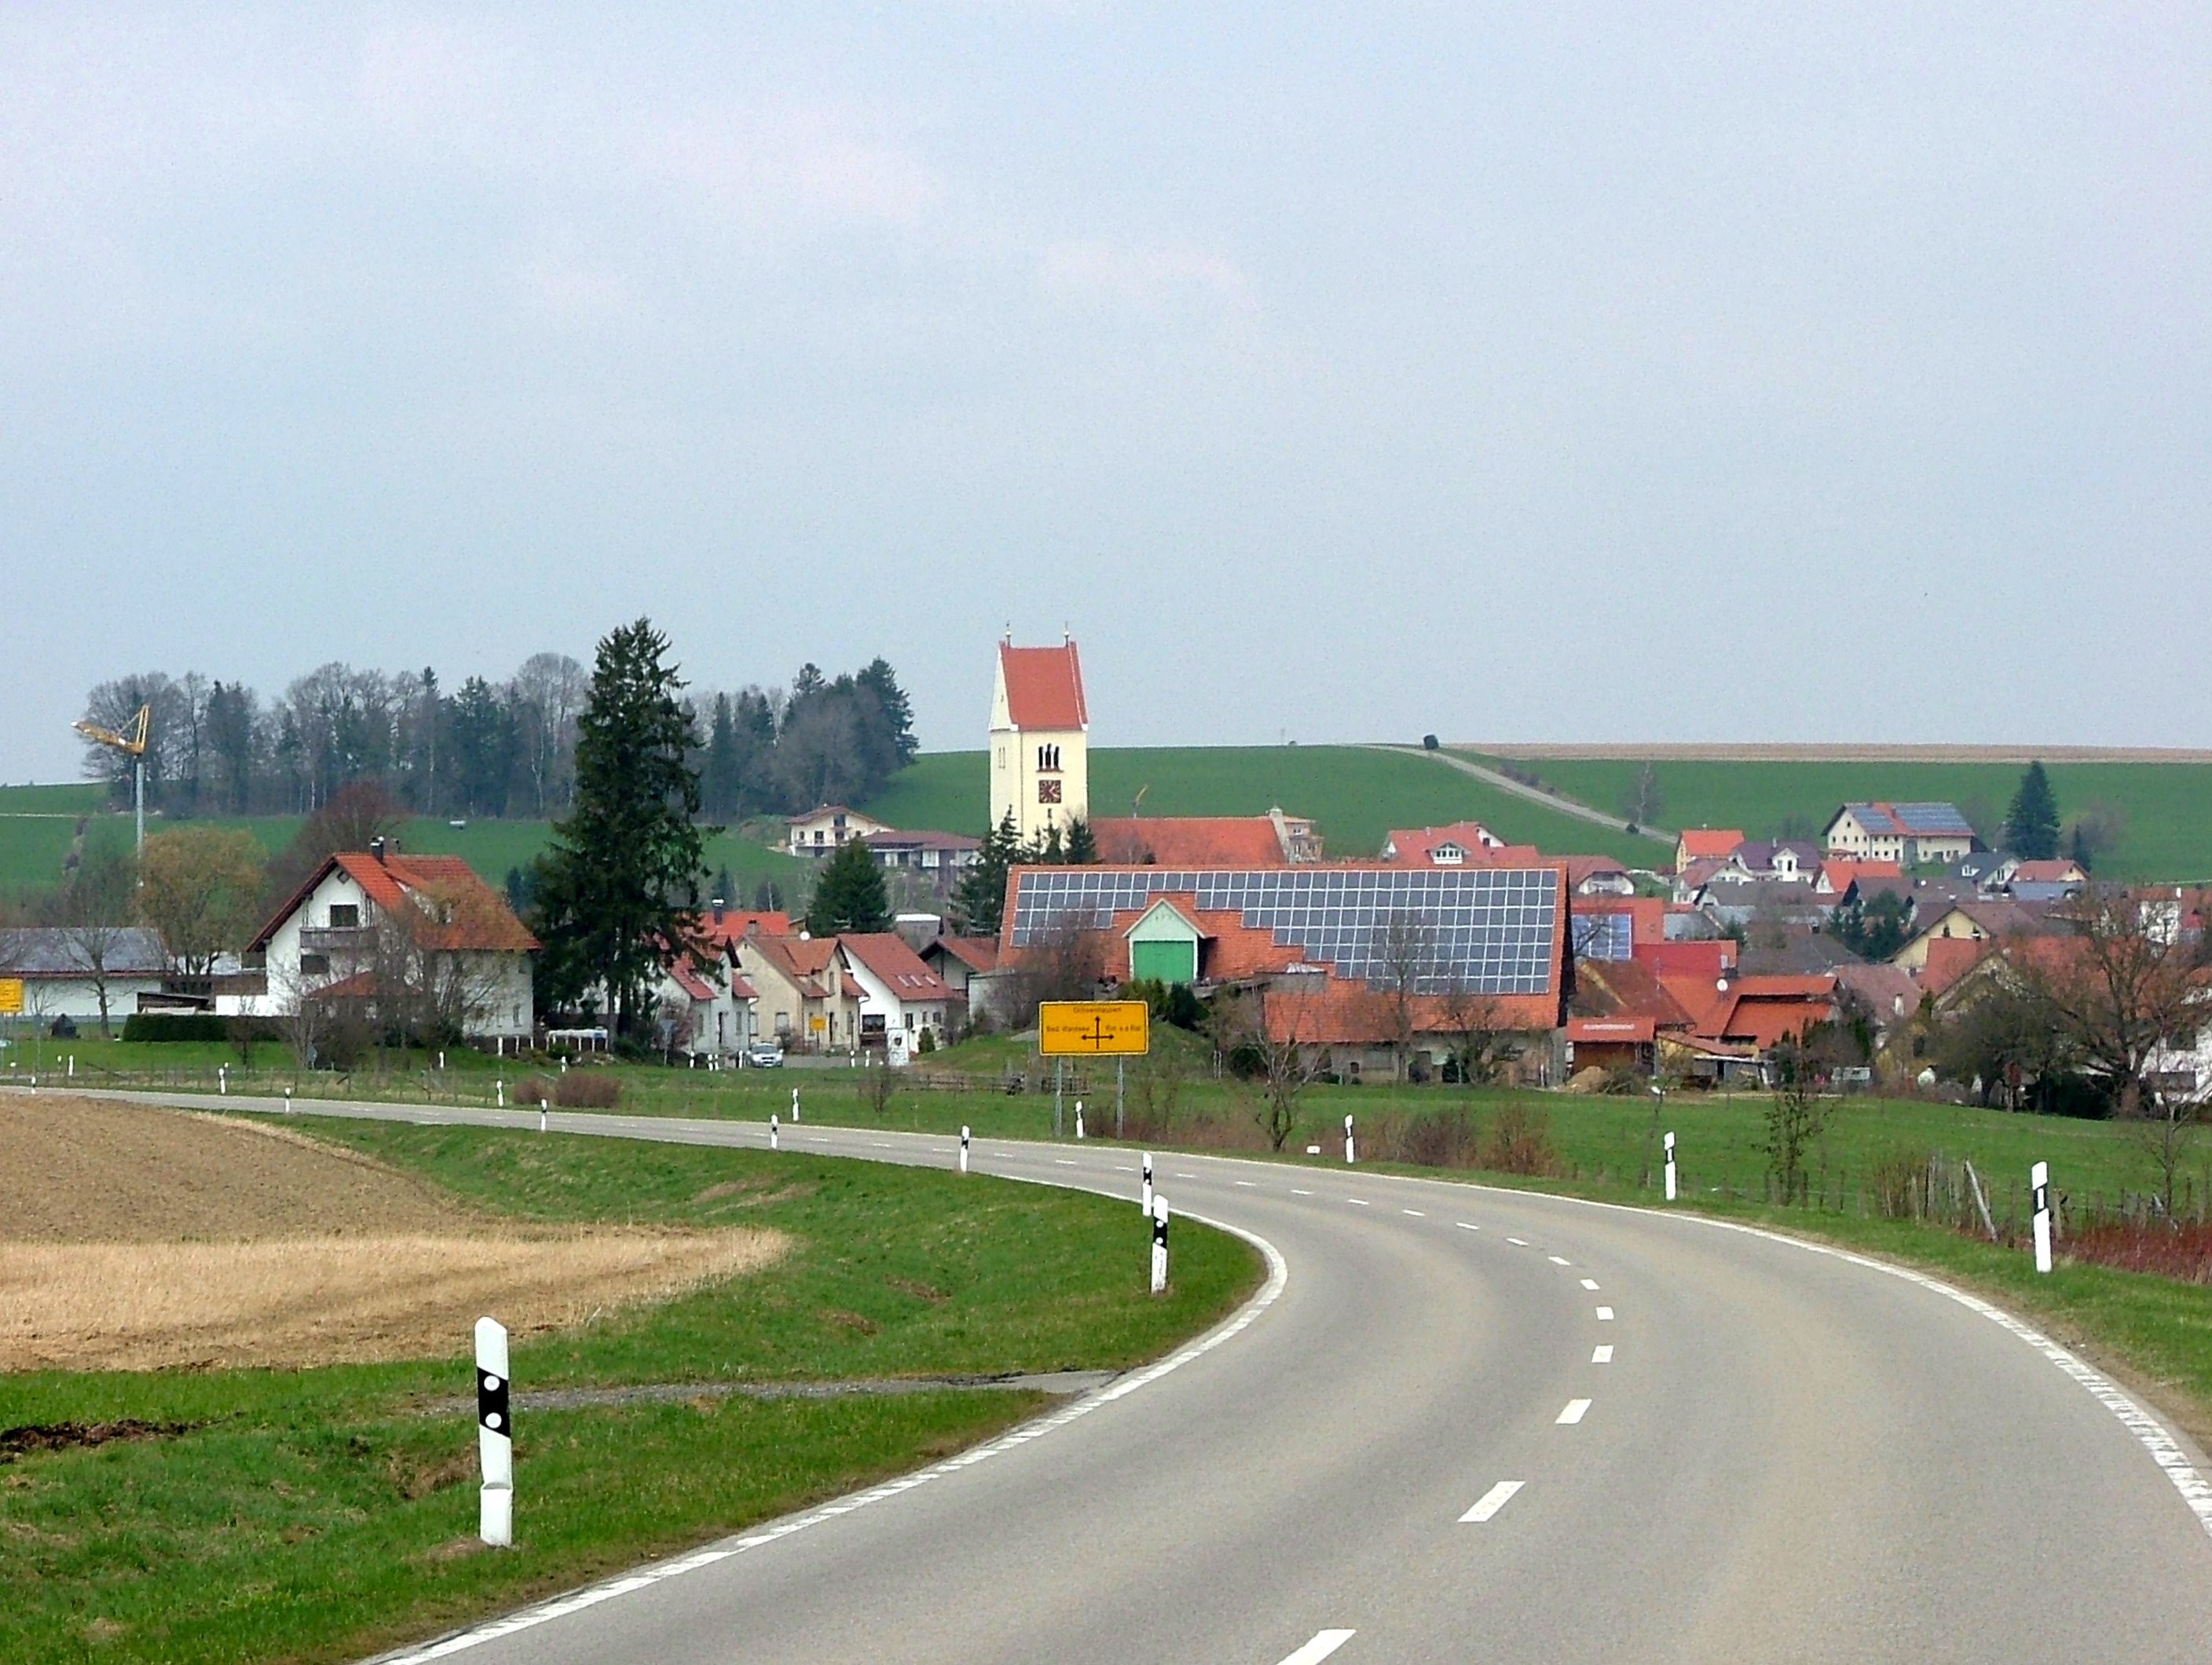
(1448,855)
(1048,760)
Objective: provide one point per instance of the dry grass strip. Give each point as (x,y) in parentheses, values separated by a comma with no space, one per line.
(298,1301)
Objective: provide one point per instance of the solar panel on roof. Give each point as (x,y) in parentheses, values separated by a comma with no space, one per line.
(1487,930)
(1605,936)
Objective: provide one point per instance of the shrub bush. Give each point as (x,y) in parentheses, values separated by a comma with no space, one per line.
(1437,1139)
(535,1090)
(1520,1142)
(586,1090)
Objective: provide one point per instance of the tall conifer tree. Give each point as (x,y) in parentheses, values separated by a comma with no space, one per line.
(619,885)
(2031,827)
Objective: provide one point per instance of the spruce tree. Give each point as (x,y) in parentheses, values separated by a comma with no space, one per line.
(719,782)
(2031,827)
(877,678)
(979,903)
(617,888)
(1081,845)
(849,894)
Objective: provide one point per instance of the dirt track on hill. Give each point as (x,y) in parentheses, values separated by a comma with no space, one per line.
(1788,752)
(133,1238)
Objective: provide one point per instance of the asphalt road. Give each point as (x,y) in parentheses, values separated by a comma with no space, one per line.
(1681,1441)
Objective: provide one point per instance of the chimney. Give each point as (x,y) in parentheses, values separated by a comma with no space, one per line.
(717,910)
(376,849)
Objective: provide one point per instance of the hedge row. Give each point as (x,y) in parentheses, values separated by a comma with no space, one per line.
(196,1026)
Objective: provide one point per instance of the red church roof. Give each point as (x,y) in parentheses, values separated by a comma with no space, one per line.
(1044,686)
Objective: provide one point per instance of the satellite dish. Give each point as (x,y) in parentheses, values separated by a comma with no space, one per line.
(1722,985)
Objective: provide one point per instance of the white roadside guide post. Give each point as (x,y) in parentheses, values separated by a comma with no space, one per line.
(222,1080)
(500,1087)
(1159,1244)
(794,1107)
(494,1436)
(1670,1167)
(963,1147)
(1348,1151)
(287,1098)
(541,1115)
(2039,1178)
(772,1130)
(1079,1118)
(1146,1204)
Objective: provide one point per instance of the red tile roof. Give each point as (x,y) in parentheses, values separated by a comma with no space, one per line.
(1709,958)
(977,953)
(1629,988)
(1647,916)
(894,964)
(1044,686)
(735,923)
(1838,873)
(800,961)
(439,899)
(1189,840)
(2048,872)
(1415,845)
(1950,958)
(1718,842)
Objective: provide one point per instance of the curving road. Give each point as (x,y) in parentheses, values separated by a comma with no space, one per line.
(1681,1441)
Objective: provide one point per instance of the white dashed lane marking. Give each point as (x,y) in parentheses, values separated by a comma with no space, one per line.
(1605,1315)
(1415,1213)
(1518,1242)
(1589,1283)
(1464,1226)
(1296,1193)
(1324,1643)
(1601,1355)
(1360,1202)
(1577,1409)
(1491,1501)
(1555,1260)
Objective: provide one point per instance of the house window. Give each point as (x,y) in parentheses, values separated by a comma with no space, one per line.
(1048,792)
(314,965)
(345,916)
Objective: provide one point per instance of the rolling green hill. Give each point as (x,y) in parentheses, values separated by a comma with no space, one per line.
(2164,809)
(37,825)
(1355,794)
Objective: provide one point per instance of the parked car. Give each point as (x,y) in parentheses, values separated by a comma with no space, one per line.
(764,1056)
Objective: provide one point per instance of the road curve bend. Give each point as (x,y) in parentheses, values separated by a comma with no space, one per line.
(1466,1424)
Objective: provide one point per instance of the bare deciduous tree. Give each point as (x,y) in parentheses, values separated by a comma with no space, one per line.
(1066,963)
(1406,956)
(95,922)
(1270,1072)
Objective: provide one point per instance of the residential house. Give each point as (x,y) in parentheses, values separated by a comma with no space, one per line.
(1912,834)
(2045,881)
(805,996)
(940,857)
(1273,840)
(1974,922)
(705,1009)
(70,972)
(899,994)
(1598,876)
(1837,875)
(1039,739)
(823,829)
(1705,844)
(958,960)
(1987,871)
(382,927)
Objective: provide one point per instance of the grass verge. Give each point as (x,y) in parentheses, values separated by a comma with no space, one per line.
(321,1514)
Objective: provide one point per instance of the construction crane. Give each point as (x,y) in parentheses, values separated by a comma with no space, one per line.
(131,743)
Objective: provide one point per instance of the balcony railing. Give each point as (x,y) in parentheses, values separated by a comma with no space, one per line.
(353,941)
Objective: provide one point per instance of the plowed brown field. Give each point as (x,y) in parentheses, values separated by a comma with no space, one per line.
(132,1237)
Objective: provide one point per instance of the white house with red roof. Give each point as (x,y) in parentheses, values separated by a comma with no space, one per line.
(365,919)
(823,830)
(705,1008)
(898,992)
(1040,739)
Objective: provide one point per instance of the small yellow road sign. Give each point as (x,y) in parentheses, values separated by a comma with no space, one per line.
(1090,1028)
(11,996)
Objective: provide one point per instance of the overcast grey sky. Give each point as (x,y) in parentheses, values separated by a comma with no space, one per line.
(1558,372)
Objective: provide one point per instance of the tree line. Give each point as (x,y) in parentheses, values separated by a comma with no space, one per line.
(485,749)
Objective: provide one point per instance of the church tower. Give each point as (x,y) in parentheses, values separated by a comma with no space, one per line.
(1040,738)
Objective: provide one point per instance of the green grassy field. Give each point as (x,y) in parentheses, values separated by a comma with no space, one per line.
(2166,809)
(321,1514)
(1355,795)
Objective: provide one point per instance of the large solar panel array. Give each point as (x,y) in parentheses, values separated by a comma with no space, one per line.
(1485,930)
(1913,819)
(1605,937)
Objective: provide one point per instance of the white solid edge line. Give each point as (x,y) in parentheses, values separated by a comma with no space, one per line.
(1577,1409)
(529,1618)
(1491,1501)
(1605,1315)
(1324,1643)
(1602,1354)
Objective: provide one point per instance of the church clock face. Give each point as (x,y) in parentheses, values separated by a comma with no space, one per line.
(1048,792)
